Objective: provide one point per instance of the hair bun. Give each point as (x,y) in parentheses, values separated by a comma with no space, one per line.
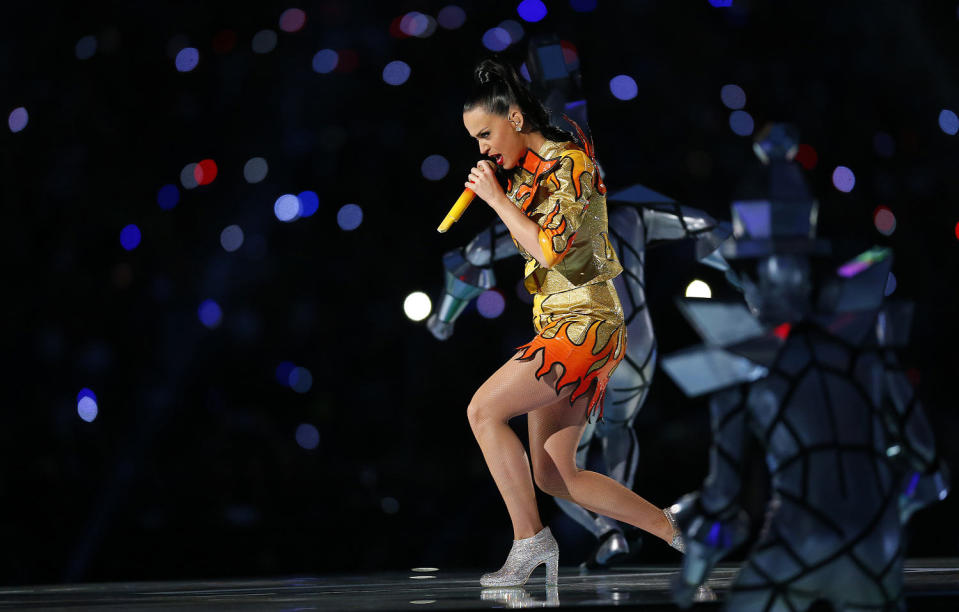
(489,70)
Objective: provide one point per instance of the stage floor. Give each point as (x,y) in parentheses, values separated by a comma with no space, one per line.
(931,584)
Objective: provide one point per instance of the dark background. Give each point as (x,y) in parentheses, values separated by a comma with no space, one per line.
(191,468)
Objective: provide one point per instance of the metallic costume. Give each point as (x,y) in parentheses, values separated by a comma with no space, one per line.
(813,376)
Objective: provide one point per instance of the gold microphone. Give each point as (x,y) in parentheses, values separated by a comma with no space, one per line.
(459,207)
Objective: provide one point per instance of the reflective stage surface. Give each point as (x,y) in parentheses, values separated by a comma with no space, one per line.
(931,584)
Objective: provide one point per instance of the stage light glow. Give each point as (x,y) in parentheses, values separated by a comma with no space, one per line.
(325,61)
(349,217)
(292,20)
(391,506)
(187,176)
(224,41)
(264,41)
(205,172)
(884,145)
(309,203)
(87,408)
(130,237)
(417,306)
(496,39)
(807,156)
(890,285)
(884,220)
(231,238)
(168,197)
(414,24)
(187,59)
(582,6)
(301,380)
(307,436)
(396,72)
(210,313)
(843,179)
(86,47)
(490,304)
(698,289)
(623,87)
(733,96)
(948,122)
(531,10)
(18,119)
(255,169)
(451,17)
(434,167)
(287,207)
(283,370)
(741,123)
(514,29)
(957,231)
(721,3)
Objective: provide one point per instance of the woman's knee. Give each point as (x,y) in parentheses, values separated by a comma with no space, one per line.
(549,480)
(479,412)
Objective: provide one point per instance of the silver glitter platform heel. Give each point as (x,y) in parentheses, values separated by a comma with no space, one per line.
(524,557)
(677,541)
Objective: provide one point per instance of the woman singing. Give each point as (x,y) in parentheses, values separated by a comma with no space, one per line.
(555,209)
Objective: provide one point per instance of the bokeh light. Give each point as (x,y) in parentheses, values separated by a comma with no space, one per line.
(948,122)
(210,313)
(417,306)
(396,72)
(283,370)
(698,289)
(309,203)
(325,61)
(205,172)
(87,407)
(287,207)
(187,59)
(435,167)
(168,197)
(86,47)
(890,285)
(957,231)
(231,238)
(884,145)
(255,170)
(264,41)
(884,220)
(307,436)
(531,10)
(301,379)
(721,3)
(733,96)
(451,17)
(130,237)
(843,179)
(417,24)
(623,87)
(188,176)
(496,39)
(18,119)
(514,29)
(292,20)
(349,217)
(582,6)
(347,60)
(490,304)
(807,156)
(741,123)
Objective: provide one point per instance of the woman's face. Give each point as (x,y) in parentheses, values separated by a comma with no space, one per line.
(497,135)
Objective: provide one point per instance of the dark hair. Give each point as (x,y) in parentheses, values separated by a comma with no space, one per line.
(496,87)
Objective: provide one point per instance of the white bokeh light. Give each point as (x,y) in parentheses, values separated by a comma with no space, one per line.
(417,306)
(698,289)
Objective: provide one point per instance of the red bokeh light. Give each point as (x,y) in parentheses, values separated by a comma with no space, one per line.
(782,331)
(395,30)
(957,231)
(884,220)
(807,156)
(224,41)
(570,55)
(292,20)
(347,61)
(205,172)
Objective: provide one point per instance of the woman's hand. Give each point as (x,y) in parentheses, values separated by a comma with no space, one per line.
(482,180)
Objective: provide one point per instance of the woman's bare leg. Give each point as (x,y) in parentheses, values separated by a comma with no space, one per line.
(554,432)
(511,391)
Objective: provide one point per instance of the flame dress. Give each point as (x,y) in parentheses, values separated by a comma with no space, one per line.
(576,312)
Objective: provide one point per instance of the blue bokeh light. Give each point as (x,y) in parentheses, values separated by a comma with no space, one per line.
(582,6)
(86,47)
(435,168)
(396,72)
(87,407)
(287,207)
(283,370)
(307,436)
(168,197)
(210,313)
(531,10)
(187,59)
(948,122)
(325,61)
(301,380)
(309,203)
(490,304)
(188,176)
(255,170)
(514,29)
(231,238)
(721,3)
(18,119)
(741,123)
(130,237)
(349,217)
(623,87)
(733,96)
(451,17)
(843,179)
(496,39)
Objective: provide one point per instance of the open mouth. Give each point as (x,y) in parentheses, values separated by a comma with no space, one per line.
(498,159)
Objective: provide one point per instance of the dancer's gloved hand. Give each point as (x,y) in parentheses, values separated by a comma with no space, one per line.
(482,180)
(440,329)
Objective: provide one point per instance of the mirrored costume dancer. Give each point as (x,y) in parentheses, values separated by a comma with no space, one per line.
(808,367)
(638,218)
